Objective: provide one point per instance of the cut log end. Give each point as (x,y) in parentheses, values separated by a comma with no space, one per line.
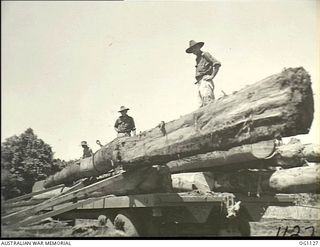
(302,99)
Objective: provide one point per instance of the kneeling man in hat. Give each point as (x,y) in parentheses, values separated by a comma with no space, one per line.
(125,124)
(206,69)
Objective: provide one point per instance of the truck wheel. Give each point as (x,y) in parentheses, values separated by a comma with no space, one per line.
(128,224)
(152,227)
(229,229)
(238,226)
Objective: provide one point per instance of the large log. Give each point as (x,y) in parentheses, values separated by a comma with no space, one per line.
(258,155)
(297,180)
(280,105)
(201,181)
(246,182)
(240,157)
(304,179)
(295,154)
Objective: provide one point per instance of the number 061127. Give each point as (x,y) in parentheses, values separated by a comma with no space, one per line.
(309,242)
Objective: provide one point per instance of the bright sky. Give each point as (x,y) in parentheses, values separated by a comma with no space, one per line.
(67,67)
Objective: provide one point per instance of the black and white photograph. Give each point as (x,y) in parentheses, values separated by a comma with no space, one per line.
(160,120)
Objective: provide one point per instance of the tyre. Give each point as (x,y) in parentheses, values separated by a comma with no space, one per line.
(238,226)
(127,224)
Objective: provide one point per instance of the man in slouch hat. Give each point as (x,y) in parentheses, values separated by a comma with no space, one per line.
(206,69)
(124,124)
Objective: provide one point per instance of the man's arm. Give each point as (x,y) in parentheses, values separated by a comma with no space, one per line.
(211,59)
(116,126)
(215,70)
(215,63)
(133,127)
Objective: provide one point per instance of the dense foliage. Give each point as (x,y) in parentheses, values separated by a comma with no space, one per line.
(24,160)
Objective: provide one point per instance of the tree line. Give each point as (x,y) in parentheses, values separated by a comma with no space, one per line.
(26,159)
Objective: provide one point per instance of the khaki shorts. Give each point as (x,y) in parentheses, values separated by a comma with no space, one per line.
(123,134)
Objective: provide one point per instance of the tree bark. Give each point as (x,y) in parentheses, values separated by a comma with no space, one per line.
(240,157)
(280,105)
(297,180)
(201,181)
(258,155)
(304,179)
(246,182)
(296,154)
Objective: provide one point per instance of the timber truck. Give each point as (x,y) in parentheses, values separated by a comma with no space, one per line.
(163,213)
(129,181)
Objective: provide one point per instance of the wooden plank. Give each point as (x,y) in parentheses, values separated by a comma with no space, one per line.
(22,203)
(23,197)
(121,184)
(15,217)
(37,218)
(280,105)
(57,192)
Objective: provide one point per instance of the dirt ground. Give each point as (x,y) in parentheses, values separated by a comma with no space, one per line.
(61,229)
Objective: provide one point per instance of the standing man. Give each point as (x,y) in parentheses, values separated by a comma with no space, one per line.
(206,69)
(87,152)
(125,124)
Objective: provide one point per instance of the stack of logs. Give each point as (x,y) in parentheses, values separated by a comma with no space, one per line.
(232,144)
(264,167)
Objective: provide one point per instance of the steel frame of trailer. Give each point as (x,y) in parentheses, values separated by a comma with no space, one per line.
(155,200)
(186,213)
(146,213)
(182,214)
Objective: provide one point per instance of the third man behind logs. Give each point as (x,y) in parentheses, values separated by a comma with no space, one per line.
(125,124)
(87,152)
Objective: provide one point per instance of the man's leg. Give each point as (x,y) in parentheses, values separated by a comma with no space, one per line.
(206,91)
(200,99)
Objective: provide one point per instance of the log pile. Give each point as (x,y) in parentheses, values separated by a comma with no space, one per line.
(231,145)
(258,155)
(305,179)
(278,106)
(253,168)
